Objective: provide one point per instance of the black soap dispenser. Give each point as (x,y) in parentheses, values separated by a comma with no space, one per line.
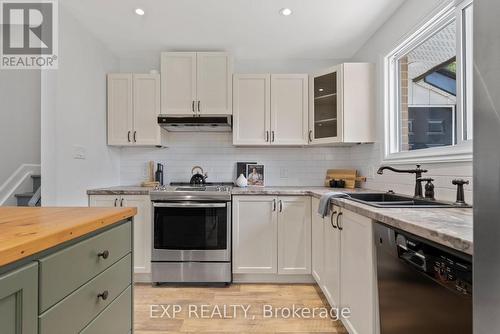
(159,174)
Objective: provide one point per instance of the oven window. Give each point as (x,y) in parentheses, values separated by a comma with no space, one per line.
(190,228)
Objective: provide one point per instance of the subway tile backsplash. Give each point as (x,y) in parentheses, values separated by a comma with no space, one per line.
(284,166)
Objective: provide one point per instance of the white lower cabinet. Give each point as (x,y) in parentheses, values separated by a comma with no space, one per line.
(142,225)
(344,265)
(317,242)
(294,235)
(331,284)
(357,272)
(255,234)
(271,235)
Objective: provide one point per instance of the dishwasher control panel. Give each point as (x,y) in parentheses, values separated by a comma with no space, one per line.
(447,269)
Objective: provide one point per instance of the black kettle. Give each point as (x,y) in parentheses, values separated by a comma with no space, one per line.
(198,177)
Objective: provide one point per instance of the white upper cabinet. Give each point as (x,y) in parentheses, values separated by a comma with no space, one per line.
(342,105)
(214,89)
(178,83)
(146,109)
(133,108)
(251,109)
(270,109)
(196,83)
(120,109)
(289,109)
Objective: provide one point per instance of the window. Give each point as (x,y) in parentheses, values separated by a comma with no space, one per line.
(429,90)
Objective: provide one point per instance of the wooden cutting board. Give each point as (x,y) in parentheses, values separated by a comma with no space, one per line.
(349,175)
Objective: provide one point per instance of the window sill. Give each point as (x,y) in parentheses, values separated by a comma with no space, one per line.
(457,153)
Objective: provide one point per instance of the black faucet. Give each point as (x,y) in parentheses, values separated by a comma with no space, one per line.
(418,175)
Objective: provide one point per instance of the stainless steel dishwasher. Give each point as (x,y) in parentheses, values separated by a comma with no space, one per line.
(422,287)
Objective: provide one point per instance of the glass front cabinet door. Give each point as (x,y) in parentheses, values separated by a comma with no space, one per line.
(341,105)
(325,109)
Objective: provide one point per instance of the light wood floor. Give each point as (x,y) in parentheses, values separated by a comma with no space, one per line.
(254,295)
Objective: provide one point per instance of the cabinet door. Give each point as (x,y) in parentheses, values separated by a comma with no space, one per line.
(252,109)
(120,109)
(317,242)
(358,272)
(289,114)
(142,232)
(294,235)
(146,109)
(331,273)
(213,84)
(178,83)
(325,107)
(255,236)
(19,301)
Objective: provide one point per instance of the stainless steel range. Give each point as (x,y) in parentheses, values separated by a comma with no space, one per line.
(192,233)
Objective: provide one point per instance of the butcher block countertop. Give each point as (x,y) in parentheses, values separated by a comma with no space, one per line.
(27,231)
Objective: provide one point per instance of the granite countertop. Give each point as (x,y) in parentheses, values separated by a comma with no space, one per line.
(27,231)
(451,227)
(120,190)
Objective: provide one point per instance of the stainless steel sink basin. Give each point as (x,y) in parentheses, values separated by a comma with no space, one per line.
(389,200)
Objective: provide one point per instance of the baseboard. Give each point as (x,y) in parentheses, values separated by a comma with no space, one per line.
(13,184)
(142,278)
(272,278)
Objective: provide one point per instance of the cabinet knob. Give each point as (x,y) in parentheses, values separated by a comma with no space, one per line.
(104,254)
(103,295)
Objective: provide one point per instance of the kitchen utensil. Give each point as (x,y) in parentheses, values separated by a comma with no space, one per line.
(198,177)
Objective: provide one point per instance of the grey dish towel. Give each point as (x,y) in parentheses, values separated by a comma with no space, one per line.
(324,202)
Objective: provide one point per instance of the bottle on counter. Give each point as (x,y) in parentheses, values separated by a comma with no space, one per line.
(159,174)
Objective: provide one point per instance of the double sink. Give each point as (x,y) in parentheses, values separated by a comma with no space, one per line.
(390,200)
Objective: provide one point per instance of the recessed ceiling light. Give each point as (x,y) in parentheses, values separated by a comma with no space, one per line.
(321,89)
(139,11)
(286,11)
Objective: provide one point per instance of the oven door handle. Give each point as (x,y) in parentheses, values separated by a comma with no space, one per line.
(189,205)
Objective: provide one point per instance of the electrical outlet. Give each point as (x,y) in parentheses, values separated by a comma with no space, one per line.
(371,172)
(79,152)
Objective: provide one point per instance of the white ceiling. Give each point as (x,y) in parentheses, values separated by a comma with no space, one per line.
(250,29)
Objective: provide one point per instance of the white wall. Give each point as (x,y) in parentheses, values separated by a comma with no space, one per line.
(19,120)
(215,153)
(74,113)
(367,158)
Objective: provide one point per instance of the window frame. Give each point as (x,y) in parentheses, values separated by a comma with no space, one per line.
(462,150)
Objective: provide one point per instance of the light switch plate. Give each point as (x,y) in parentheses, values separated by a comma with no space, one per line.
(283,173)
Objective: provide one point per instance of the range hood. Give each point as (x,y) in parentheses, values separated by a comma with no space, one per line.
(201,123)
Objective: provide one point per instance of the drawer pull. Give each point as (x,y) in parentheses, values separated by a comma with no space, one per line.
(104,254)
(103,295)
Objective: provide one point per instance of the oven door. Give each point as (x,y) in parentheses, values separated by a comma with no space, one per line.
(191,231)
